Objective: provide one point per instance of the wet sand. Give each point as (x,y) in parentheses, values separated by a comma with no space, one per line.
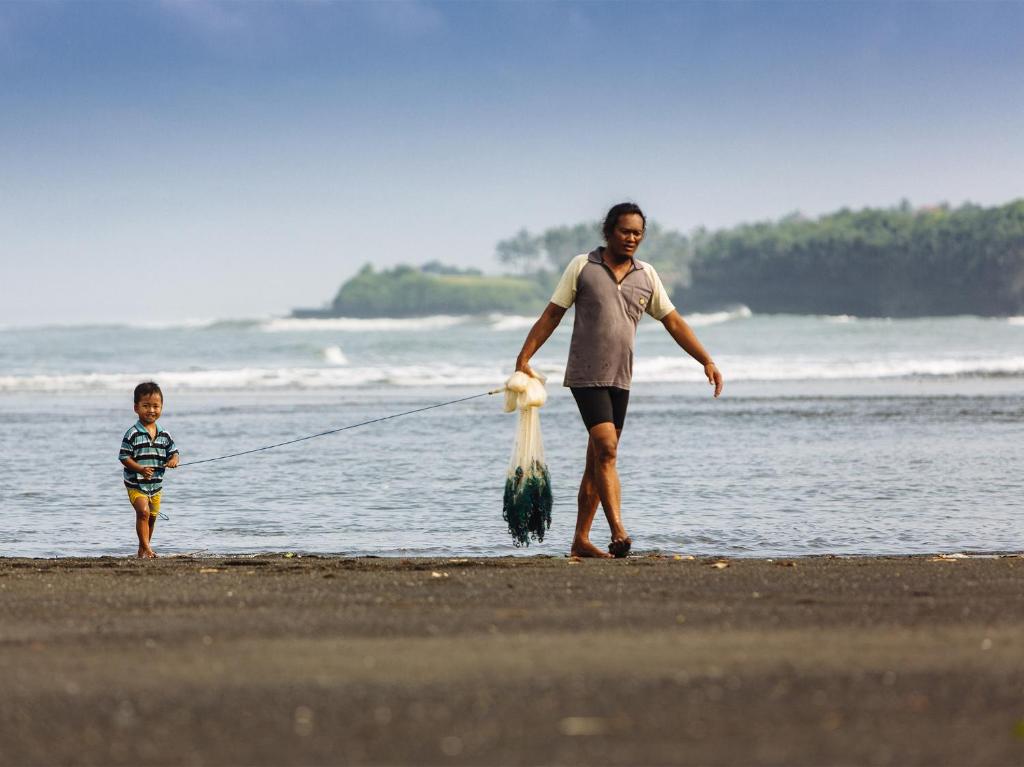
(284,660)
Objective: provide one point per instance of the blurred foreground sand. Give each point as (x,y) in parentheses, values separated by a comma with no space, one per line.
(277,660)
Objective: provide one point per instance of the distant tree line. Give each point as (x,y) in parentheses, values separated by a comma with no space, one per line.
(544,256)
(894,262)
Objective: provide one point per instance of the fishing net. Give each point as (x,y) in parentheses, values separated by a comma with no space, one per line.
(527,506)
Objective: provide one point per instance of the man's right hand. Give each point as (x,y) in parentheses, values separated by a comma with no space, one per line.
(524,367)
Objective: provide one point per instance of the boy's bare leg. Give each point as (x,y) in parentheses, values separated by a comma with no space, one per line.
(143,527)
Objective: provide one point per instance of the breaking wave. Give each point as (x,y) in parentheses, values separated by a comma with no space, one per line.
(292,324)
(334,355)
(340,373)
(666,369)
(704,319)
(496,321)
(502,322)
(699,320)
(338,376)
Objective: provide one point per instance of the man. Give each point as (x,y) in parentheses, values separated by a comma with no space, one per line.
(611,290)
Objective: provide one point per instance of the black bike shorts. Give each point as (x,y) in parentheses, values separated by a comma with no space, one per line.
(601,404)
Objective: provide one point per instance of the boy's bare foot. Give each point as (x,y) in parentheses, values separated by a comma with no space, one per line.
(619,547)
(584,548)
(147,554)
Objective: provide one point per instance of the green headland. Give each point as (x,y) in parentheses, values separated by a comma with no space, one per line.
(884,262)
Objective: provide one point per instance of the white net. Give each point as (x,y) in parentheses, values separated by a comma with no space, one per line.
(527,503)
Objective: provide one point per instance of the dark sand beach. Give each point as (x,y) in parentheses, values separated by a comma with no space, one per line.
(302,660)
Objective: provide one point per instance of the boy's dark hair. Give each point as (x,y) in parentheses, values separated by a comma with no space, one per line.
(146,388)
(617,211)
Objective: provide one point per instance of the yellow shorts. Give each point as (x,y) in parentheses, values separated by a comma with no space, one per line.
(154,500)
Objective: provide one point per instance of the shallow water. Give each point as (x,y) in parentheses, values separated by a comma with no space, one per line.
(835,435)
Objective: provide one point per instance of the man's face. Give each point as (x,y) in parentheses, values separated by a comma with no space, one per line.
(148,408)
(626,236)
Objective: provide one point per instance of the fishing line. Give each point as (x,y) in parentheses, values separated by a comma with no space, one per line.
(341,428)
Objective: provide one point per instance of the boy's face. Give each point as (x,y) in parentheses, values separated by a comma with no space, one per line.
(148,408)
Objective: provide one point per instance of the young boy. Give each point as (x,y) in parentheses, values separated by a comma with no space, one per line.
(145,451)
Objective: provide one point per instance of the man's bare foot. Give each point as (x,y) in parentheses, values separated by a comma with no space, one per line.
(619,547)
(585,548)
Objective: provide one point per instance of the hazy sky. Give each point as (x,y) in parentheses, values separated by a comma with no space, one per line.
(177,160)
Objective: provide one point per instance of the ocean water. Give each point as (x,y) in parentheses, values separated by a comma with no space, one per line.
(834,435)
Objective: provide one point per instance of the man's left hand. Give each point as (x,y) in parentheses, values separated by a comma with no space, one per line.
(714,377)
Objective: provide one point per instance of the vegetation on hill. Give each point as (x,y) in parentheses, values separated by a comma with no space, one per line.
(553,249)
(409,292)
(895,262)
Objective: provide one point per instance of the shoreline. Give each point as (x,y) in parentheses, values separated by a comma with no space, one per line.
(275,659)
(525,557)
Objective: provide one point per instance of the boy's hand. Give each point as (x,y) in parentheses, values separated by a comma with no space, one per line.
(172,463)
(146,472)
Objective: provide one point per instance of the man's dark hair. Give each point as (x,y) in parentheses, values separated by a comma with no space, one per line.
(146,388)
(617,212)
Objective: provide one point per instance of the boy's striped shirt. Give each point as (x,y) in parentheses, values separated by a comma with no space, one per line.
(154,452)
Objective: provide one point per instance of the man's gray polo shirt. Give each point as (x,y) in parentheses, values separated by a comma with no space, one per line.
(607,315)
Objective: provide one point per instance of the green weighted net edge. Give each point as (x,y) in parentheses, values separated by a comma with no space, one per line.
(527,506)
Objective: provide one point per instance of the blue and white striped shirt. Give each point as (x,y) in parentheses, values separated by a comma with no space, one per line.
(146,451)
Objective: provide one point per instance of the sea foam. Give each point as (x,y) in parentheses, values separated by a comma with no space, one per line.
(334,355)
(503,322)
(705,319)
(650,369)
(699,319)
(770,368)
(255,378)
(357,324)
